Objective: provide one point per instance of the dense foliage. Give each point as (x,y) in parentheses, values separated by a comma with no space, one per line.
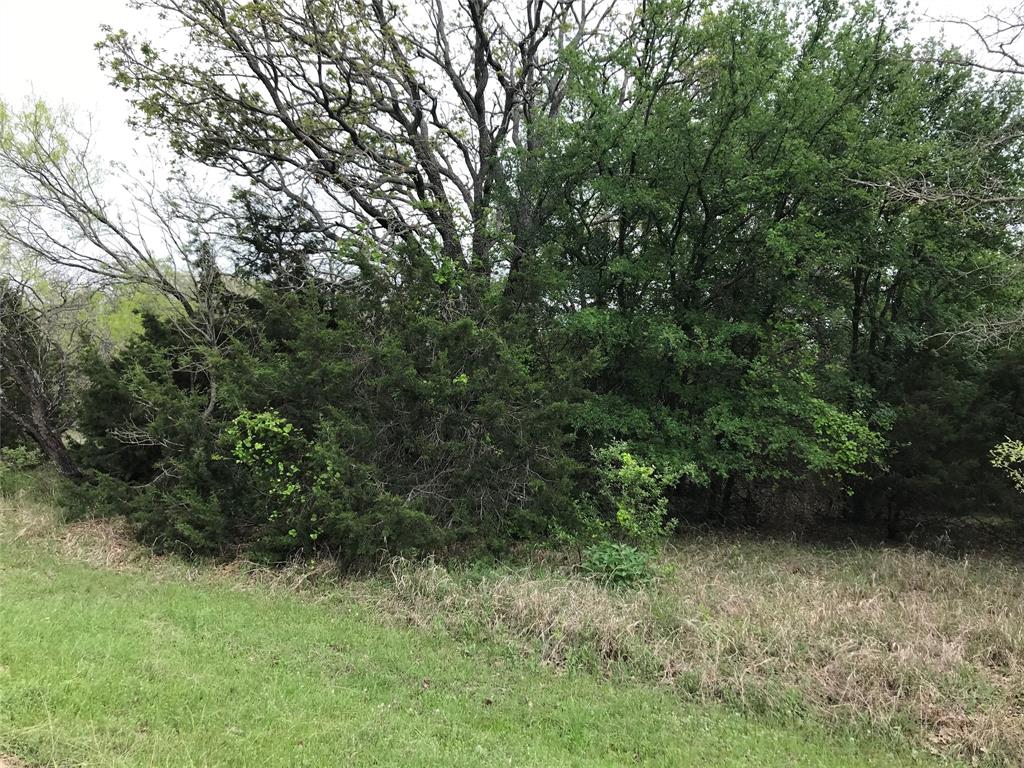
(581,277)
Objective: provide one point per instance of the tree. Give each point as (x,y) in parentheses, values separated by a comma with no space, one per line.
(1000,34)
(54,207)
(384,121)
(38,385)
(732,252)
(474,249)
(998,37)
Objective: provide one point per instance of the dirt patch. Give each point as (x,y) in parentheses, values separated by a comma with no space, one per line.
(103,543)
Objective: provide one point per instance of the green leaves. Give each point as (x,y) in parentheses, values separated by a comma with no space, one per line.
(1009,456)
(729,254)
(618,565)
(634,494)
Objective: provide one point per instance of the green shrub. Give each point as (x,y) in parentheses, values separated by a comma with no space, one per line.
(336,431)
(616,564)
(309,494)
(18,465)
(1009,456)
(630,497)
(19,458)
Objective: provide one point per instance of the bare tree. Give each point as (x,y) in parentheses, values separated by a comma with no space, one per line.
(380,118)
(36,369)
(1000,36)
(54,207)
(1000,33)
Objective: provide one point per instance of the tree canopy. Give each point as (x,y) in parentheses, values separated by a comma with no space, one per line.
(496,271)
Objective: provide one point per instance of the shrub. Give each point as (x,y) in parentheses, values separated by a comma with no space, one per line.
(616,564)
(17,469)
(631,497)
(19,458)
(311,495)
(1009,456)
(336,431)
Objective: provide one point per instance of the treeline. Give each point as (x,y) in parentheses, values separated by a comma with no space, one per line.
(570,270)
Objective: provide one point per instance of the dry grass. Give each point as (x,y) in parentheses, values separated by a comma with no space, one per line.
(902,642)
(105,543)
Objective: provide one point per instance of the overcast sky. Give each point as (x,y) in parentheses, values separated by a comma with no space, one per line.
(47,51)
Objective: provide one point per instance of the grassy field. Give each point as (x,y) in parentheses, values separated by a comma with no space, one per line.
(111,657)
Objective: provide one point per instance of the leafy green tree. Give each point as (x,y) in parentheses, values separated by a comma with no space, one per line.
(736,249)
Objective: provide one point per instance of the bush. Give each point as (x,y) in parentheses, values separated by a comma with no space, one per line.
(624,519)
(17,469)
(311,495)
(1009,456)
(18,458)
(619,565)
(335,430)
(630,501)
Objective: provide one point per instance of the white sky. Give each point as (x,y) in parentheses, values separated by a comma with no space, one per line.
(47,51)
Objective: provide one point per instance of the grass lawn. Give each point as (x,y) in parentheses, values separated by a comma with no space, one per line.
(145,667)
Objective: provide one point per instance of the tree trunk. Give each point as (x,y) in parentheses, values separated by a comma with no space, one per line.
(57,452)
(49,443)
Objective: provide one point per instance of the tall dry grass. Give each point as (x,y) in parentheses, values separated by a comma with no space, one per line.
(900,642)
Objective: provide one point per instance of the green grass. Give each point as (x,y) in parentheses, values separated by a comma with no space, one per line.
(147,667)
